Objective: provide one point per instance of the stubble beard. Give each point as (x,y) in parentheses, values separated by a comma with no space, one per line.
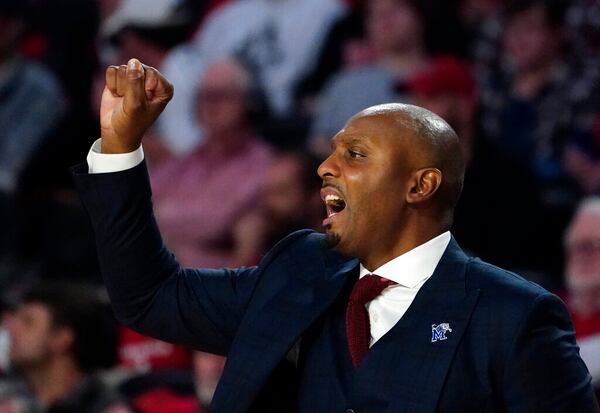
(332,239)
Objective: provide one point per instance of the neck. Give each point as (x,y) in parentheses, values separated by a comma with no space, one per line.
(54,381)
(410,238)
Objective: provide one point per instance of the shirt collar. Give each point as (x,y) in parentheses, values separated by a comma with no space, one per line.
(414,266)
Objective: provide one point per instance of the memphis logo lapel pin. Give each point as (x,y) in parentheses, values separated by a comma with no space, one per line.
(438,332)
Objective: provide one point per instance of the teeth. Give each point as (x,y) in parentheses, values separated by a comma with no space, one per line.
(332,198)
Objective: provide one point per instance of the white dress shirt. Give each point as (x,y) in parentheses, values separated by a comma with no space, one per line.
(410,270)
(99,162)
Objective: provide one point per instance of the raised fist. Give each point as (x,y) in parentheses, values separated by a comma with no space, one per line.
(133,97)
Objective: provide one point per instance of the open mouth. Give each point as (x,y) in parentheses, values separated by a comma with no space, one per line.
(334,205)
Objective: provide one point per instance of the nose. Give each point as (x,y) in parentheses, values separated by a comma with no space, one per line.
(328,167)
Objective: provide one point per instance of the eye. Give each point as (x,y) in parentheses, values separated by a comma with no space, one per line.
(355,154)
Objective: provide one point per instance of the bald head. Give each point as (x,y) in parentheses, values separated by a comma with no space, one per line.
(228,72)
(391,182)
(432,142)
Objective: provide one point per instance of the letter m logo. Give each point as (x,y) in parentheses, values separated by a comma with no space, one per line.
(438,332)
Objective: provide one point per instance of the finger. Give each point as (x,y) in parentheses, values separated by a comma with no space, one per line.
(121,80)
(110,78)
(135,94)
(151,82)
(162,88)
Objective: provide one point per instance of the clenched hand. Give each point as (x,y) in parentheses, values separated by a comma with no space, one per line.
(132,99)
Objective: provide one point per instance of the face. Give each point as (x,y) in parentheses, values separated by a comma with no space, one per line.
(365,180)
(31,332)
(583,263)
(283,192)
(529,41)
(392,25)
(221,100)
(583,252)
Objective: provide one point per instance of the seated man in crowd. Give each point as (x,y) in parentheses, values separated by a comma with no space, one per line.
(198,198)
(396,42)
(60,336)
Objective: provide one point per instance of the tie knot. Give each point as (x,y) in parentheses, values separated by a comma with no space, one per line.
(368,287)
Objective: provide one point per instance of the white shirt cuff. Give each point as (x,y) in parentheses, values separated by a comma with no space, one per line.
(99,162)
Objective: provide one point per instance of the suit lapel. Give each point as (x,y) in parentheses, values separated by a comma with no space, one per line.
(415,359)
(290,297)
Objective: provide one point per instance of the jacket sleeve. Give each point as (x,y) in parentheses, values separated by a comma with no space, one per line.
(149,290)
(544,372)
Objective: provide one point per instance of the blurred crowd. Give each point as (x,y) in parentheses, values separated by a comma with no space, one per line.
(261,86)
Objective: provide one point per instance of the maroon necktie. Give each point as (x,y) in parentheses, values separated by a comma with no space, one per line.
(358,328)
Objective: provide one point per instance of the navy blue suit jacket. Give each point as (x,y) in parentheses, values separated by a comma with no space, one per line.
(511,349)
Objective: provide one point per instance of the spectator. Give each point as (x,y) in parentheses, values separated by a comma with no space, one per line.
(447,87)
(395,36)
(199,197)
(60,336)
(30,108)
(345,35)
(582,247)
(278,40)
(53,101)
(529,104)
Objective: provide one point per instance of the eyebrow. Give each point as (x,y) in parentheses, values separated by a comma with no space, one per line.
(352,139)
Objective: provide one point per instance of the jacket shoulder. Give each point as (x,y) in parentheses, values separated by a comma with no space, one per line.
(501,285)
(305,241)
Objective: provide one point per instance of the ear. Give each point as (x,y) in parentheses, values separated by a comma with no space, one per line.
(423,184)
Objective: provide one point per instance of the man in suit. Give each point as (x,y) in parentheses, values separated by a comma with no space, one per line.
(383,313)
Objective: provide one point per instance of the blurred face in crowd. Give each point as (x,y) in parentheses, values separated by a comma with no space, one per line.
(34,338)
(393,25)
(529,41)
(583,260)
(222,98)
(365,181)
(284,192)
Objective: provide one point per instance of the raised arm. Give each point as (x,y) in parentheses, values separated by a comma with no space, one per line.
(148,289)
